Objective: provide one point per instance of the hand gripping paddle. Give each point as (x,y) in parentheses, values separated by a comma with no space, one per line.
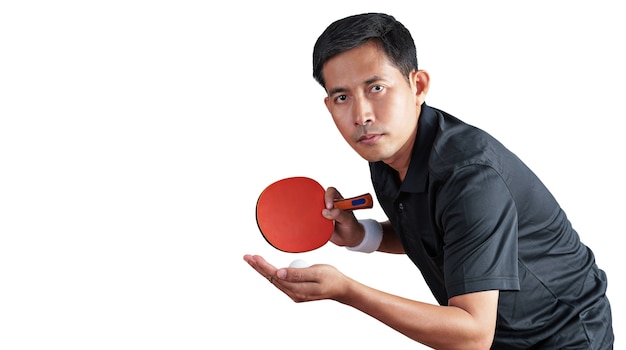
(289,214)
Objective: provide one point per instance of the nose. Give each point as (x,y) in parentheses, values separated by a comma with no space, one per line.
(363,112)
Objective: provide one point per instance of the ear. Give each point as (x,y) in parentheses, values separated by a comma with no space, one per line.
(327,103)
(420,80)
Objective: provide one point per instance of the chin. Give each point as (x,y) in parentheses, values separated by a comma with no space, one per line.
(371,156)
(372,153)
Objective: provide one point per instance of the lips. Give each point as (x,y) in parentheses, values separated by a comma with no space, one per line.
(369,138)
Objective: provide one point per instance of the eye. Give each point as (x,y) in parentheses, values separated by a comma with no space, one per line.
(377,88)
(341,98)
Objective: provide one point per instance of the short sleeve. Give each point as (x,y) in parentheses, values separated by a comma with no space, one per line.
(477,215)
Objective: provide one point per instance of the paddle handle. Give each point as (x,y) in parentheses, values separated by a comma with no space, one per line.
(363,201)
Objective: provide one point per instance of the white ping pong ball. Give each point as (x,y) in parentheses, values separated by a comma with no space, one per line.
(299,263)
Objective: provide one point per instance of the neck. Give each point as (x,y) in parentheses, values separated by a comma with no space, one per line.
(401,160)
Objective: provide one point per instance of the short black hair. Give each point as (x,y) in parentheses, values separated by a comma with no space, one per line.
(353,31)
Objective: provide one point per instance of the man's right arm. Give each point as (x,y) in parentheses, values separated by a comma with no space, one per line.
(390,242)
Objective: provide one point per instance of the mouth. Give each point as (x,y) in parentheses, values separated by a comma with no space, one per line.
(369,139)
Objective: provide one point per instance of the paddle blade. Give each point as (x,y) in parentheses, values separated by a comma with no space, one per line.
(289,215)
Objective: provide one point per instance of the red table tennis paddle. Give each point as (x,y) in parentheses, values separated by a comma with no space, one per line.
(289,214)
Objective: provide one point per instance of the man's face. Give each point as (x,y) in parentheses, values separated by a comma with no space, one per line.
(373,105)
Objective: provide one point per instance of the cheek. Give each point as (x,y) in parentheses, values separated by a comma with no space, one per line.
(404,112)
(346,129)
(341,122)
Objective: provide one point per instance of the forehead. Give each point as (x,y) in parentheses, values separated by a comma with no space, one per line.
(358,65)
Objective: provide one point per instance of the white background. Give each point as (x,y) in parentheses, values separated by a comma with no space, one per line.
(135,137)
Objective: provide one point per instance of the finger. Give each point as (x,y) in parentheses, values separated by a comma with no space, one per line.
(305,284)
(297,274)
(337,214)
(257,260)
(329,197)
(260,265)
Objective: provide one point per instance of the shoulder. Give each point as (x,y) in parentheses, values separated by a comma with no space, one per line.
(457,144)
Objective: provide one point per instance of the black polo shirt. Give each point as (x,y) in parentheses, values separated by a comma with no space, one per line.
(473,217)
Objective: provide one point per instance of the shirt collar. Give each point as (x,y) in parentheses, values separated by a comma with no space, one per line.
(416,178)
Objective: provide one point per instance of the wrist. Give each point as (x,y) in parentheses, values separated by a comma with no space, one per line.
(371,239)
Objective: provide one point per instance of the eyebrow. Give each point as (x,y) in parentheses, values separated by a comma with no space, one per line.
(369,81)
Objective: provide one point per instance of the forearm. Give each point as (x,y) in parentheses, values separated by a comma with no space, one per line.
(440,327)
(390,242)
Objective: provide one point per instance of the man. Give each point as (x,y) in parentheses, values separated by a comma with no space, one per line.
(498,253)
